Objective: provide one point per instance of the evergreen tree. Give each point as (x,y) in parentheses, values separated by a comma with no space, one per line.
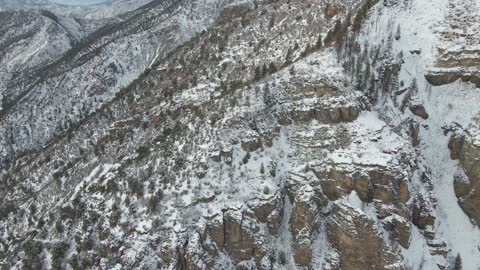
(258,73)
(458,263)
(398,33)
(271,23)
(288,57)
(264,70)
(319,42)
(306,51)
(372,89)
(414,86)
(266,95)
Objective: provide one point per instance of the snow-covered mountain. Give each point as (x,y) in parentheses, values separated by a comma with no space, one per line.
(31,37)
(99,11)
(58,94)
(22,4)
(222,134)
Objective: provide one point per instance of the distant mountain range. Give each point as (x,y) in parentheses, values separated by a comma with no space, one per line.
(104,10)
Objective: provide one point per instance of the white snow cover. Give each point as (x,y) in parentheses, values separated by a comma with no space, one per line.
(99,11)
(419,21)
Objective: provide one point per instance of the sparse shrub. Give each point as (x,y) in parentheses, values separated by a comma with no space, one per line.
(33,209)
(31,259)
(67,212)
(264,70)
(136,187)
(271,256)
(296,46)
(142,152)
(58,254)
(40,223)
(236,84)
(258,73)
(74,262)
(154,200)
(115,216)
(59,227)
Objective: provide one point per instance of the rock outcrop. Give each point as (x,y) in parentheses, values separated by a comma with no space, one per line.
(465,146)
(458,57)
(357,239)
(306,205)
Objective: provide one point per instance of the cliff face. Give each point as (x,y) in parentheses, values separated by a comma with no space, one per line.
(287,135)
(458,53)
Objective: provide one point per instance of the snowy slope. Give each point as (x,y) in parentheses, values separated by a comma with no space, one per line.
(448,104)
(93,71)
(33,38)
(89,12)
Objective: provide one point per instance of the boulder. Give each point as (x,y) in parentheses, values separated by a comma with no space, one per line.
(419,110)
(455,145)
(399,229)
(461,184)
(269,210)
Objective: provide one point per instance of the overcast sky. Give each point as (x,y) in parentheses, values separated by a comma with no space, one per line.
(79,2)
